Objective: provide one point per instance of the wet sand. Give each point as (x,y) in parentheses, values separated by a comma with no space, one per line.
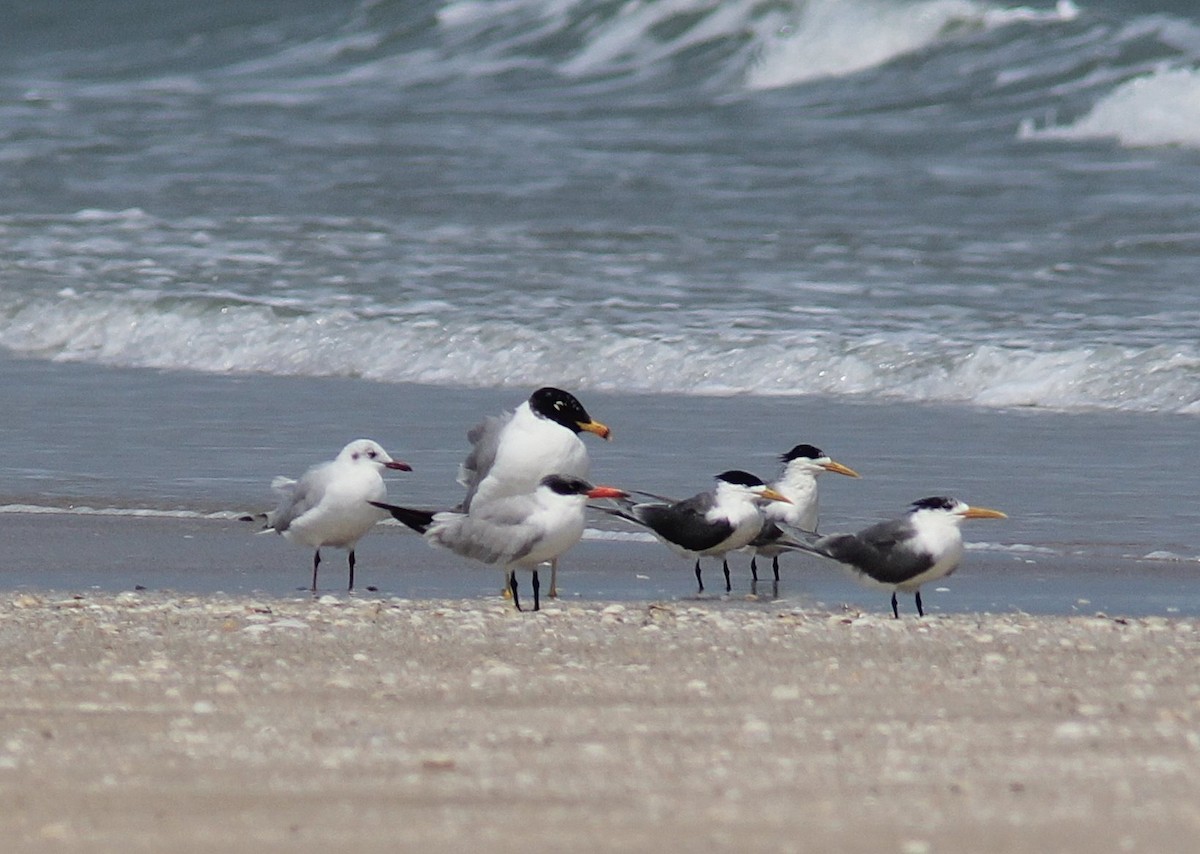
(112,553)
(144,721)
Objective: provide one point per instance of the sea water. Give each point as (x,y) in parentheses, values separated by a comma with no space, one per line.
(953,243)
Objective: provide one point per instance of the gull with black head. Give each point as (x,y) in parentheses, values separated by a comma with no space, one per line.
(511,452)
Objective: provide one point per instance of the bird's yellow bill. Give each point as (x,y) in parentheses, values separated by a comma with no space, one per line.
(983,513)
(772,495)
(596,427)
(838,468)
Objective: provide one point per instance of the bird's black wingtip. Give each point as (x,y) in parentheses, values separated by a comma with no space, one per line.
(418,520)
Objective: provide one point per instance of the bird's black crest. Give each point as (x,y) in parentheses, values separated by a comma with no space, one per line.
(566,485)
(809,452)
(559,406)
(937,502)
(741,478)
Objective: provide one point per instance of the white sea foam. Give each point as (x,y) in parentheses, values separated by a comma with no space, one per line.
(762,45)
(1012,548)
(456,350)
(1160,108)
(1170,557)
(124,512)
(781,44)
(833,38)
(618,536)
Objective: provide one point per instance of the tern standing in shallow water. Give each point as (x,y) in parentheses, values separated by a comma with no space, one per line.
(512,452)
(516,531)
(802,465)
(328,505)
(901,554)
(710,524)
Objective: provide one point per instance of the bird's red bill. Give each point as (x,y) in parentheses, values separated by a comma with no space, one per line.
(607,492)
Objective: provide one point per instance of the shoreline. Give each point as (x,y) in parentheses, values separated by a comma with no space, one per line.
(203,555)
(148,721)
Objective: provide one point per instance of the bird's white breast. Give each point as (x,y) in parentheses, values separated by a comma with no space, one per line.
(740,511)
(531,448)
(937,535)
(342,515)
(801,489)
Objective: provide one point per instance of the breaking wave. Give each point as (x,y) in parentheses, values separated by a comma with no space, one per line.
(249,338)
(1160,108)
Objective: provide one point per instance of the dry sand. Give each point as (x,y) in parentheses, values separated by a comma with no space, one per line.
(152,722)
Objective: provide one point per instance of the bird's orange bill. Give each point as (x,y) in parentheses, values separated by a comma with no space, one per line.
(398,465)
(607,492)
(838,468)
(772,495)
(596,427)
(983,513)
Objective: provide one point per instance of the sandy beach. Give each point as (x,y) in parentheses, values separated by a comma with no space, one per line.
(145,721)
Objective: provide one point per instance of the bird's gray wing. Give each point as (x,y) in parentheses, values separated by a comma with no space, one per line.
(684,522)
(880,551)
(769,534)
(498,532)
(296,497)
(664,499)
(485,441)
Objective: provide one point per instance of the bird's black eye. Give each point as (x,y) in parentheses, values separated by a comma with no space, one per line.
(372,454)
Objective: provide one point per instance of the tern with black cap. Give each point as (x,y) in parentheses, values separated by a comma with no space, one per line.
(709,524)
(902,554)
(514,531)
(802,465)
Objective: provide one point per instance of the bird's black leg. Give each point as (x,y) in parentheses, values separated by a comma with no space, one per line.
(754,569)
(920,610)
(537,586)
(775,566)
(350,560)
(895,607)
(316,563)
(699,580)
(512,585)
(728,585)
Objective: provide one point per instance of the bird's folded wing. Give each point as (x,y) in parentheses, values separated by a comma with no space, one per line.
(664,499)
(485,440)
(880,552)
(684,523)
(482,539)
(296,497)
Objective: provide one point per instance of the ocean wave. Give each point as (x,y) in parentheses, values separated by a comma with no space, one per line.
(833,39)
(245,338)
(719,47)
(720,44)
(1155,109)
(1170,557)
